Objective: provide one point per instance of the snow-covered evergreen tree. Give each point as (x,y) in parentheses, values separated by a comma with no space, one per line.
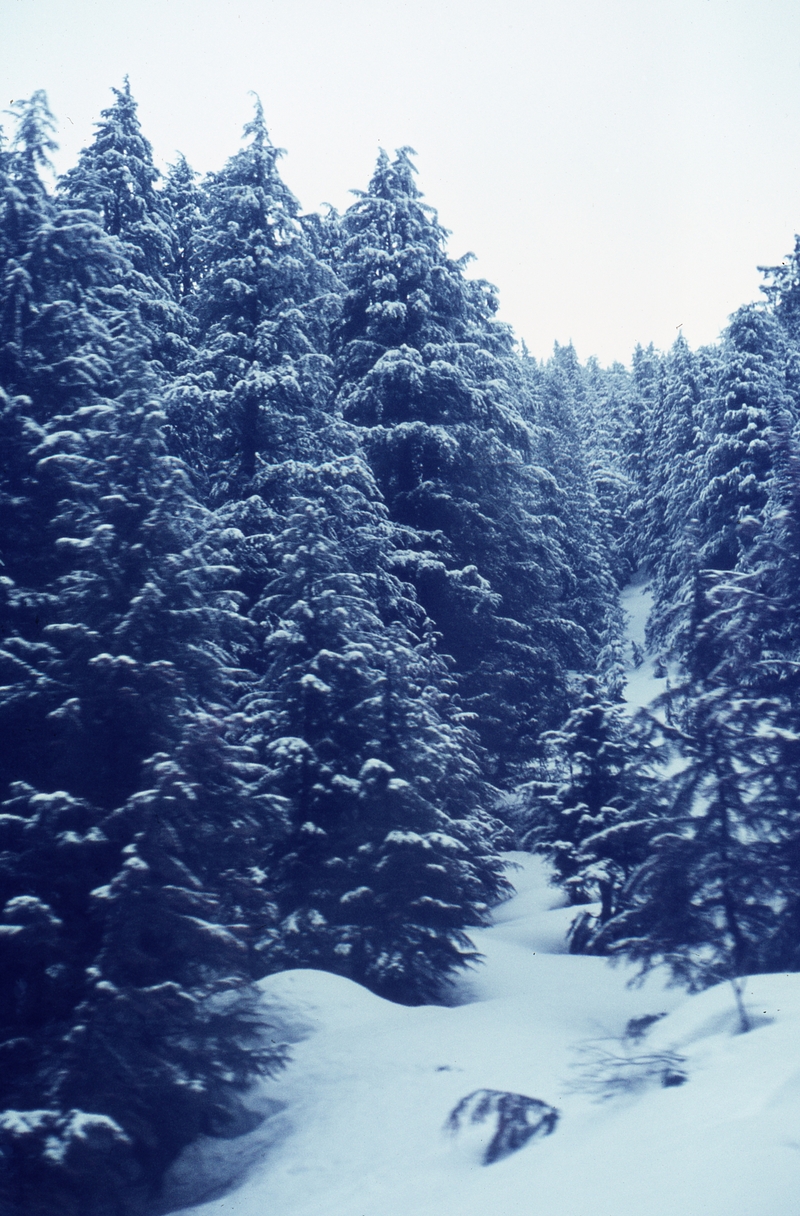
(184,200)
(675,486)
(704,898)
(115,179)
(782,290)
(566,431)
(432,380)
(716,898)
(390,857)
(607,434)
(335,627)
(749,401)
(260,308)
(593,806)
(642,448)
(116,622)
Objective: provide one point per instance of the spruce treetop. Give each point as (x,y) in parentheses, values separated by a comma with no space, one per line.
(404,288)
(116,178)
(116,174)
(250,227)
(749,399)
(24,199)
(33,139)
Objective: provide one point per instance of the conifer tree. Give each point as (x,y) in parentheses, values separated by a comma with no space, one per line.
(260,311)
(717,896)
(432,381)
(714,896)
(109,661)
(593,807)
(676,483)
(336,628)
(25,206)
(564,412)
(782,289)
(184,199)
(115,618)
(642,450)
(607,432)
(115,179)
(389,856)
(749,400)
(704,898)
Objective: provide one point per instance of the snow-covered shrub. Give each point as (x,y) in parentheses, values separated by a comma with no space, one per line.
(504,1122)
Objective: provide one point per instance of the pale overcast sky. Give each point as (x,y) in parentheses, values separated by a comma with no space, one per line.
(620,167)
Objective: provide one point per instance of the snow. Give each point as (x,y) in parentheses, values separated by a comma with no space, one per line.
(642,685)
(356,1123)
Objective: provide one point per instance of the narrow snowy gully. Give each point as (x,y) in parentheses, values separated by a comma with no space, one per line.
(355,1125)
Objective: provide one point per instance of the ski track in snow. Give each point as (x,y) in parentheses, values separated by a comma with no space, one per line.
(358,1118)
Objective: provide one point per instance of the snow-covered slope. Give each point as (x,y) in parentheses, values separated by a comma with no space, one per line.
(360,1130)
(642,684)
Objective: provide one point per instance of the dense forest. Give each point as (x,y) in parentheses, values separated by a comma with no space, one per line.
(309,609)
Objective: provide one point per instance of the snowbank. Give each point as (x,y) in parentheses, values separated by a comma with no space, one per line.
(364,1102)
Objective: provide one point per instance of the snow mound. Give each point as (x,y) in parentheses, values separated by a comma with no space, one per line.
(766,998)
(302,1001)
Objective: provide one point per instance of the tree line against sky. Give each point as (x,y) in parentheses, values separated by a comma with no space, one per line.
(309,607)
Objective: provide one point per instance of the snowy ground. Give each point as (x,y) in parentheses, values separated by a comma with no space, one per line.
(643,686)
(355,1124)
(360,1130)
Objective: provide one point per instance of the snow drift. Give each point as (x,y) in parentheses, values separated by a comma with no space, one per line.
(364,1102)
